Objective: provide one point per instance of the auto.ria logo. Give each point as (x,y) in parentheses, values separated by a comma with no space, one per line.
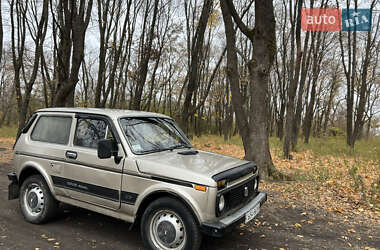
(329,19)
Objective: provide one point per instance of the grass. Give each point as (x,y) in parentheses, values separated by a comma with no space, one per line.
(325,146)
(8,132)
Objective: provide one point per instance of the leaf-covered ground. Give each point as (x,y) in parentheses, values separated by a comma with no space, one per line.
(330,205)
(344,183)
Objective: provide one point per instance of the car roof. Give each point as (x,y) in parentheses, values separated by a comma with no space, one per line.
(113,113)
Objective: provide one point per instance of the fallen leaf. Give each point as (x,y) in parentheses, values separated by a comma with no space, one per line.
(298,225)
(351,230)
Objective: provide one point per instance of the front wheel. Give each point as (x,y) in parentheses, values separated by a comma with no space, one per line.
(168,224)
(37,204)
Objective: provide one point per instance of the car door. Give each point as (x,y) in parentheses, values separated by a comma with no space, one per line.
(86,177)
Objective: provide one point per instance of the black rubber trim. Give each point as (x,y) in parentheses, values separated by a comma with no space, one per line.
(176,182)
(29,123)
(95,190)
(188,152)
(128,198)
(13,187)
(27,127)
(82,187)
(218,230)
(12,177)
(68,161)
(236,173)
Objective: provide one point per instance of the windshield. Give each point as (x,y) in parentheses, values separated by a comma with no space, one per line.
(149,135)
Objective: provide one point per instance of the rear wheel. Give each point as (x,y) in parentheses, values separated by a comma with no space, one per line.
(37,204)
(168,224)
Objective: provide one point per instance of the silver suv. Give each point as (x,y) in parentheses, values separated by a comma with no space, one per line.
(135,166)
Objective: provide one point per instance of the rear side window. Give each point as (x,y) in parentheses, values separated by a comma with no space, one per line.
(52,129)
(90,131)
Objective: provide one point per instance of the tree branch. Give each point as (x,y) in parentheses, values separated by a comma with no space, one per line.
(238,20)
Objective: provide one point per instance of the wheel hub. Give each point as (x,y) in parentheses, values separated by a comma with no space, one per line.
(35,199)
(168,230)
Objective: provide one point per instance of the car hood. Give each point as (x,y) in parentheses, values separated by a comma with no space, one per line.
(198,168)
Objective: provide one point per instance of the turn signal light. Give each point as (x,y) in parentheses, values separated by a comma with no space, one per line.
(222,184)
(200,188)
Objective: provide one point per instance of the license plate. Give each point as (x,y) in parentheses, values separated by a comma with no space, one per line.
(252,213)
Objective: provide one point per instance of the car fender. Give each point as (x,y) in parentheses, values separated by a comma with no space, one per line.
(34,165)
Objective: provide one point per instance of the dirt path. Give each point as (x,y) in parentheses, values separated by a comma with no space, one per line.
(280,226)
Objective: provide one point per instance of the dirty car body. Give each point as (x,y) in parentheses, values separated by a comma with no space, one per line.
(134,166)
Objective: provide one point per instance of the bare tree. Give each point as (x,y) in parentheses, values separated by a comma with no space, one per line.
(145,57)
(253,123)
(72,22)
(27,20)
(195,51)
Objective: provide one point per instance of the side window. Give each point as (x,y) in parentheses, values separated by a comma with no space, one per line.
(52,129)
(90,131)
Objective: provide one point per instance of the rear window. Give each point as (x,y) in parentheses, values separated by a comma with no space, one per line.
(52,129)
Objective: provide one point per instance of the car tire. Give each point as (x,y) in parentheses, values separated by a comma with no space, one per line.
(165,221)
(37,204)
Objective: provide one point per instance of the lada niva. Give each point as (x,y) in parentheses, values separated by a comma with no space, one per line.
(135,166)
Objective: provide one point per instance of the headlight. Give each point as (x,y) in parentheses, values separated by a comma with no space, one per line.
(221,204)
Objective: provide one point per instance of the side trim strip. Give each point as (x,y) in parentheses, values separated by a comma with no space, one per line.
(176,182)
(95,190)
(128,198)
(101,192)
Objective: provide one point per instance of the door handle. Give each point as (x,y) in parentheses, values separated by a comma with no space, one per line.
(71,155)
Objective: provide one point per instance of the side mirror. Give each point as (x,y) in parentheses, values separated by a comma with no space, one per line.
(108,148)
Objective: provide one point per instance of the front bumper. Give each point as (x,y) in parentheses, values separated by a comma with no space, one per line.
(13,187)
(218,228)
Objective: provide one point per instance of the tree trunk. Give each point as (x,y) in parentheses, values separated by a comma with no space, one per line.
(73,25)
(143,67)
(255,130)
(290,137)
(196,50)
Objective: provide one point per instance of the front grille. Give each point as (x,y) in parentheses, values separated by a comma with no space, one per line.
(235,197)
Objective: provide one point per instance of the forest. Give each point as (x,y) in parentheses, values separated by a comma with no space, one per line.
(218,67)
(242,78)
